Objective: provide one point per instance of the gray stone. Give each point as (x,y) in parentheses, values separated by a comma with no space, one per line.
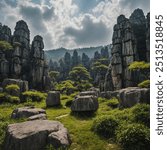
(53,98)
(130,96)
(59,139)
(33,135)
(22,84)
(88,93)
(85,104)
(25,112)
(38,117)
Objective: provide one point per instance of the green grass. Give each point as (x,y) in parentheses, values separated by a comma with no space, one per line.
(79,127)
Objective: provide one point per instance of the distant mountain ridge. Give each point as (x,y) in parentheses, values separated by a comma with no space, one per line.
(57,54)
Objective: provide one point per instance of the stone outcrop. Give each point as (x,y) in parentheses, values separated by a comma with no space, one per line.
(24,61)
(85,104)
(23,85)
(36,135)
(130,43)
(26,112)
(128,97)
(53,99)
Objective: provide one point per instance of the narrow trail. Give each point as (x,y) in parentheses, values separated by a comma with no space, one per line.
(62,116)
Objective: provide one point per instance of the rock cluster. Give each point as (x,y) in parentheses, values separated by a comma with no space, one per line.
(130,43)
(24,61)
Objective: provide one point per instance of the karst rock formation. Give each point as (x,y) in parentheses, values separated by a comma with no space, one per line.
(131,42)
(25,61)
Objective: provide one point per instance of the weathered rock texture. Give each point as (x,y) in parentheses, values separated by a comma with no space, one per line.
(85,104)
(130,43)
(128,97)
(53,99)
(36,135)
(24,61)
(26,112)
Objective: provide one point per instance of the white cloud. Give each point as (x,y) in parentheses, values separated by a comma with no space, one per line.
(68,23)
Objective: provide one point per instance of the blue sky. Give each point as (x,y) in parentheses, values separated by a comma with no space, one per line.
(69,23)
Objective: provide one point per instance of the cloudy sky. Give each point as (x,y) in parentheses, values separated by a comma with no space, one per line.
(69,23)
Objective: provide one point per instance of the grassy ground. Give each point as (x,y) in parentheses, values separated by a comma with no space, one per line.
(79,127)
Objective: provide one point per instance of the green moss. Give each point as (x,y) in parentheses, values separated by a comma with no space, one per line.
(144,84)
(12,87)
(34,96)
(139,65)
(113,103)
(5,45)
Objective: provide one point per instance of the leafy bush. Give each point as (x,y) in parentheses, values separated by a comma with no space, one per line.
(66,87)
(5,45)
(144,84)
(2,97)
(141,114)
(12,89)
(113,103)
(12,99)
(137,65)
(34,96)
(3,126)
(133,136)
(105,126)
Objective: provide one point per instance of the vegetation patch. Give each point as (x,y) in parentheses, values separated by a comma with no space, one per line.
(105,126)
(133,136)
(34,96)
(144,84)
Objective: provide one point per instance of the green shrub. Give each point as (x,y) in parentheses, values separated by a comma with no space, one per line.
(144,84)
(105,126)
(136,65)
(2,97)
(5,45)
(141,114)
(34,96)
(133,137)
(12,99)
(13,89)
(113,103)
(68,103)
(3,126)
(64,97)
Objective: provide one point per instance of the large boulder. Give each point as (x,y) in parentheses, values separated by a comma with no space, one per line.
(53,99)
(26,112)
(36,135)
(22,84)
(130,96)
(85,104)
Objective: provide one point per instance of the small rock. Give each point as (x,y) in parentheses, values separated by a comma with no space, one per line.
(53,98)
(26,112)
(38,117)
(59,139)
(85,103)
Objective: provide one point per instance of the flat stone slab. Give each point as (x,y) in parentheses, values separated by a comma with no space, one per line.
(36,135)
(38,117)
(26,112)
